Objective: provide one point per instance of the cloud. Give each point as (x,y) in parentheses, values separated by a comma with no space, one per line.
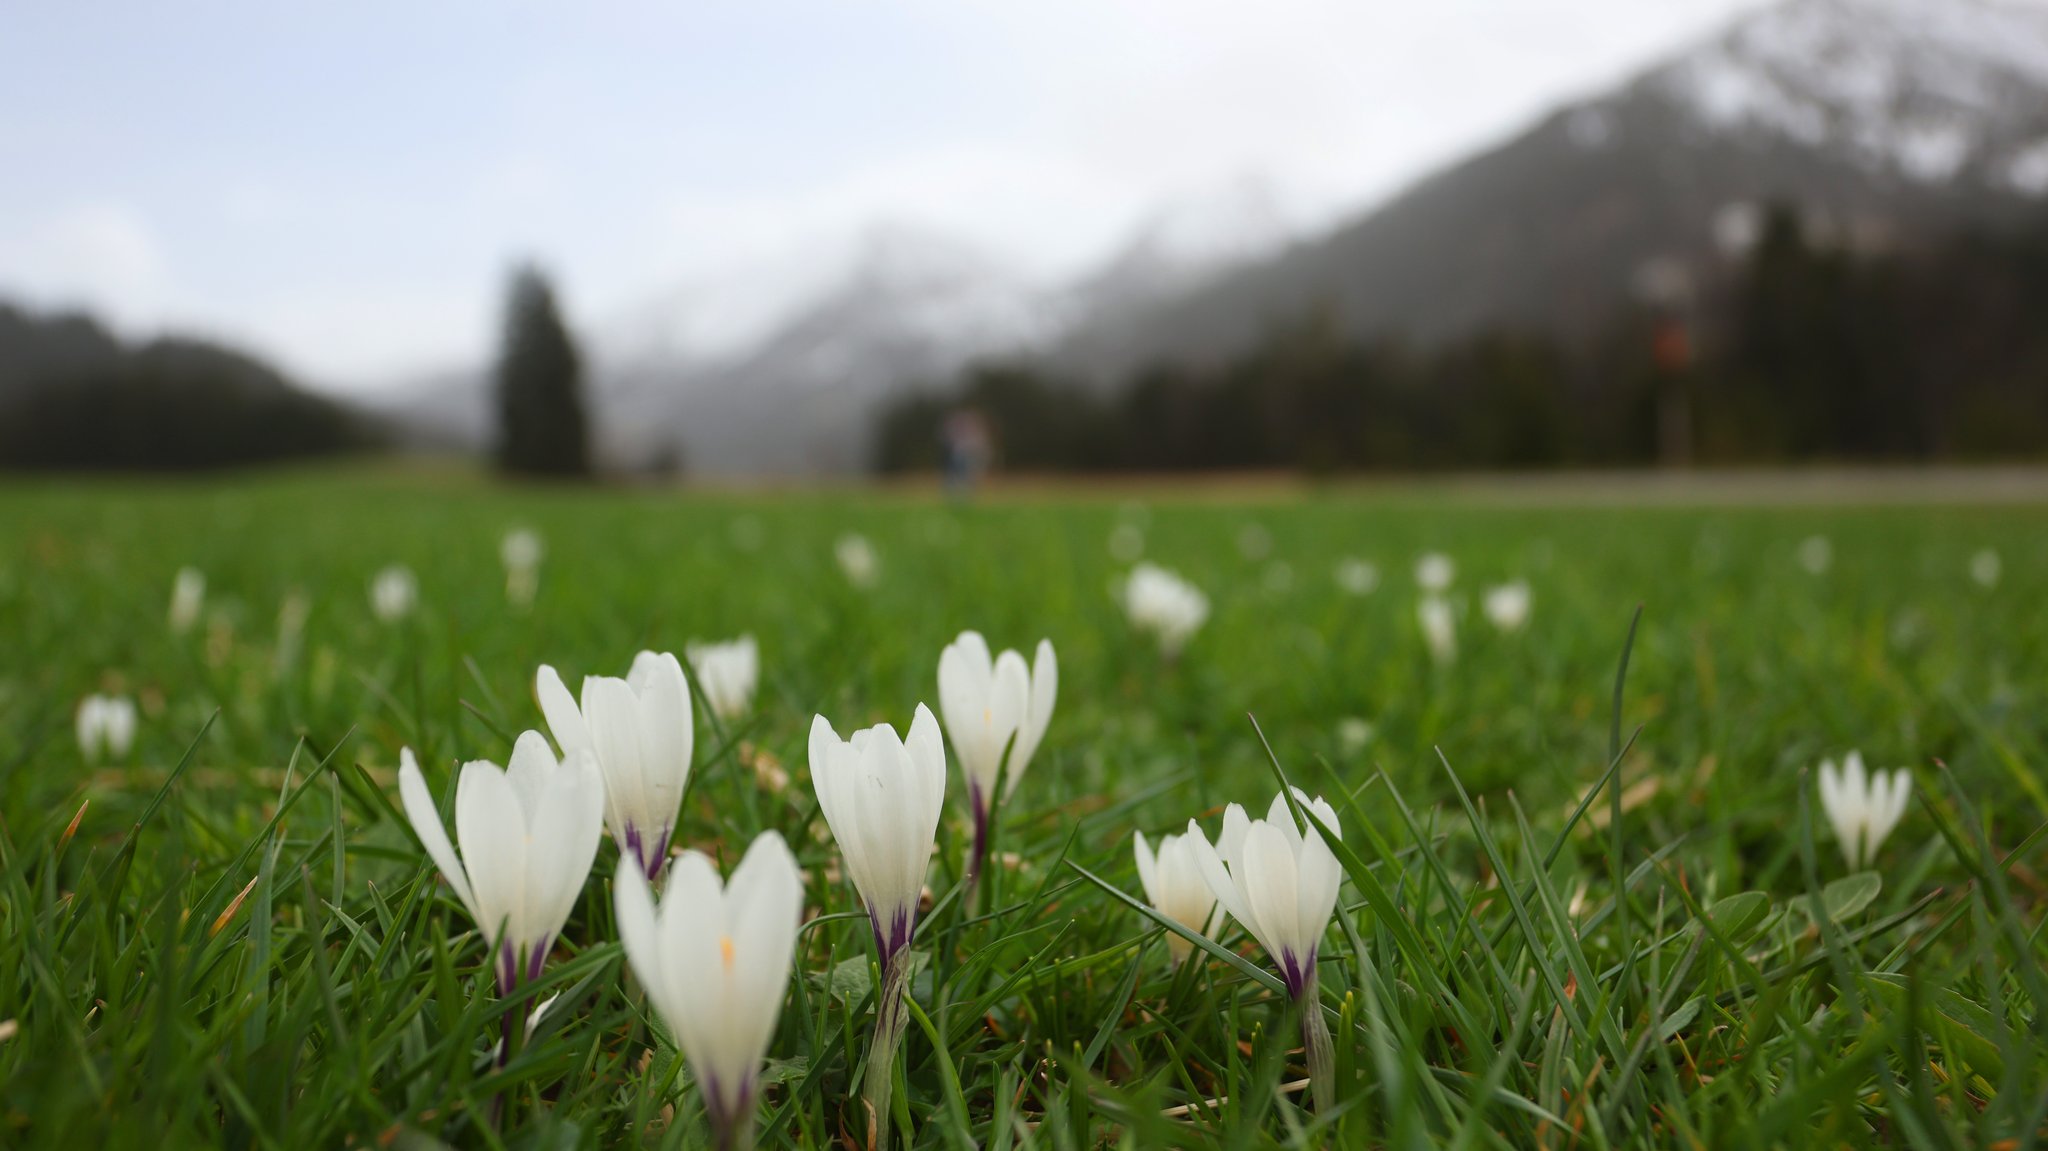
(97,251)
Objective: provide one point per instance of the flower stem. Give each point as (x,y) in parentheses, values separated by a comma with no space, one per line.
(1316,1046)
(977,856)
(891,1015)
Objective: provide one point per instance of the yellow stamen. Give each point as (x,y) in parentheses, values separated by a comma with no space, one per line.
(725,949)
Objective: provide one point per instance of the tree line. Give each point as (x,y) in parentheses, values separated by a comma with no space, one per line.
(74,397)
(1804,351)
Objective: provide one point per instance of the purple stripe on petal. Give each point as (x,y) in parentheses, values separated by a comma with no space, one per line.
(1298,971)
(892,932)
(653,864)
(726,1115)
(508,967)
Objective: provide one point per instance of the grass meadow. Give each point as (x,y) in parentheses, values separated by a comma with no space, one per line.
(1572,916)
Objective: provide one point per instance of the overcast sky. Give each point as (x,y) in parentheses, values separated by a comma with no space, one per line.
(342,186)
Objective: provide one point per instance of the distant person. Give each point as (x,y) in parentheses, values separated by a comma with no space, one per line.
(968,448)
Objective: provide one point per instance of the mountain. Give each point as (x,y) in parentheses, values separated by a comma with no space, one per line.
(905,306)
(75,396)
(1885,120)
(1888,122)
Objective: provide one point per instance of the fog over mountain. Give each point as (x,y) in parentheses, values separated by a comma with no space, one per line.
(777,369)
(1888,120)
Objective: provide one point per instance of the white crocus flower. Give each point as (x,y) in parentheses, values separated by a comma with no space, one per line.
(1507,606)
(188,599)
(521,550)
(106,727)
(715,960)
(994,705)
(1816,554)
(727,673)
(1276,881)
(1434,572)
(528,834)
(1986,567)
(1439,628)
(393,592)
(1356,576)
(1163,604)
(1354,732)
(641,731)
(857,559)
(882,797)
(1280,882)
(1862,807)
(1175,887)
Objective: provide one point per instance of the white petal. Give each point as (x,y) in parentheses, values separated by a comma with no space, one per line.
(765,901)
(1320,878)
(426,823)
(1008,701)
(928,761)
(563,843)
(491,831)
(1230,844)
(667,732)
(612,710)
(1148,874)
(1045,689)
(633,904)
(1221,884)
(1272,887)
(565,719)
(532,762)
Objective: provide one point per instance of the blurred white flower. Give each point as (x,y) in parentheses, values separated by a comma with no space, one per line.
(522,548)
(1277,880)
(1507,606)
(1862,807)
(291,627)
(994,705)
(1164,605)
(528,836)
(857,559)
(1126,542)
(1254,542)
(1439,627)
(1908,628)
(1434,571)
(1354,733)
(188,599)
(641,731)
(522,552)
(1816,554)
(1175,887)
(727,672)
(882,797)
(1986,567)
(1356,576)
(715,960)
(106,727)
(393,592)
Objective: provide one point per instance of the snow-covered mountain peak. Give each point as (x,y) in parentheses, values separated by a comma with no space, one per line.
(1925,88)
